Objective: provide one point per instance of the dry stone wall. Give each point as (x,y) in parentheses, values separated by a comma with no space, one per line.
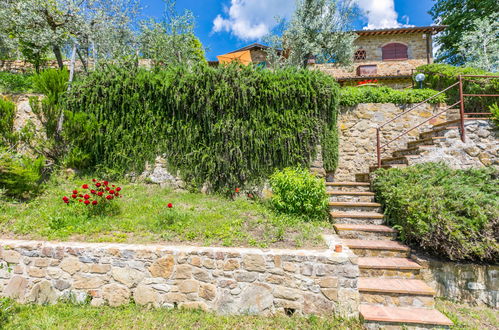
(357,133)
(224,280)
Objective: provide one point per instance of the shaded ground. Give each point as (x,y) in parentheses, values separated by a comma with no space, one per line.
(465,316)
(142,216)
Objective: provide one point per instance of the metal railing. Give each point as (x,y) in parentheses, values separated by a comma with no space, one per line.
(462,114)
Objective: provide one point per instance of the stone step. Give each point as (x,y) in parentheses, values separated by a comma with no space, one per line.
(398,160)
(362,177)
(377,248)
(382,317)
(365,231)
(354,207)
(358,217)
(389,267)
(347,186)
(395,285)
(448,123)
(440,131)
(385,166)
(428,141)
(351,196)
(411,151)
(350,193)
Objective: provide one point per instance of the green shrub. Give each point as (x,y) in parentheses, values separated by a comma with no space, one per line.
(449,213)
(229,127)
(441,76)
(52,83)
(494,109)
(7,115)
(351,96)
(16,83)
(19,176)
(296,191)
(7,310)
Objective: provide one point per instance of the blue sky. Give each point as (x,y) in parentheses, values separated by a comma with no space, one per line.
(225,25)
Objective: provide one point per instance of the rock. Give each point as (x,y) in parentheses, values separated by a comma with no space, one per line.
(41,262)
(128,276)
(242,276)
(201,275)
(61,285)
(42,293)
(161,287)
(328,282)
(11,256)
(307,269)
(116,294)
(175,298)
(209,263)
(315,304)
(289,267)
(231,264)
(97,302)
(188,286)
(162,267)
(285,293)
(207,291)
(331,294)
(194,305)
(254,262)
(472,150)
(15,288)
(87,282)
(144,295)
(71,265)
(195,261)
(485,159)
(255,299)
(99,269)
(183,271)
(36,272)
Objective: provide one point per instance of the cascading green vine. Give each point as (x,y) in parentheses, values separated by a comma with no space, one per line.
(229,126)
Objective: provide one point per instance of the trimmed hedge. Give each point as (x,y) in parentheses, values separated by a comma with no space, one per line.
(441,76)
(229,126)
(448,213)
(350,96)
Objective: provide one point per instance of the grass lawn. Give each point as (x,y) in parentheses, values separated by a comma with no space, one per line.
(143,217)
(132,317)
(465,316)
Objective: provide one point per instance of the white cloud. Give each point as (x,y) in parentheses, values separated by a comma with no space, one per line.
(381,14)
(252,19)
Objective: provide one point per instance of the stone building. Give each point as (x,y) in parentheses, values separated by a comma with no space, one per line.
(386,55)
(254,53)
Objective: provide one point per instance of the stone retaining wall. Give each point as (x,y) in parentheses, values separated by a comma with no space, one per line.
(357,133)
(224,280)
(472,283)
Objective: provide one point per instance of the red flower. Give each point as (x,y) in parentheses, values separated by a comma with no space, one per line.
(170,205)
(86,202)
(80,195)
(118,189)
(75,191)
(87,196)
(67,202)
(109,197)
(107,188)
(116,194)
(237,190)
(85,186)
(250,195)
(375,80)
(93,191)
(106,183)
(94,180)
(111,192)
(81,200)
(99,193)
(97,184)
(94,203)
(74,195)
(113,186)
(65,198)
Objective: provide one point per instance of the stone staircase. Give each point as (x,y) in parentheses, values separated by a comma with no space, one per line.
(392,292)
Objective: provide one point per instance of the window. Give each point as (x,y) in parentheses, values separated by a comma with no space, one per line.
(367,70)
(360,55)
(394,51)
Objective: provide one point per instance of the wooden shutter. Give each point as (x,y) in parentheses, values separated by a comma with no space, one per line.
(394,51)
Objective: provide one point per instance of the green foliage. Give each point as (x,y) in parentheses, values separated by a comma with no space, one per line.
(480,47)
(7,310)
(229,126)
(15,83)
(449,213)
(494,109)
(7,115)
(19,176)
(351,96)
(52,83)
(458,16)
(441,76)
(296,191)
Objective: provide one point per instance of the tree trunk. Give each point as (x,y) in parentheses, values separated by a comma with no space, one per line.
(58,56)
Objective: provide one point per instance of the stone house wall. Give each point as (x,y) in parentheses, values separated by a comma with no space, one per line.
(357,133)
(223,280)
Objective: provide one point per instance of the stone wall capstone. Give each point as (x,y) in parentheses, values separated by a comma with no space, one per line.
(223,280)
